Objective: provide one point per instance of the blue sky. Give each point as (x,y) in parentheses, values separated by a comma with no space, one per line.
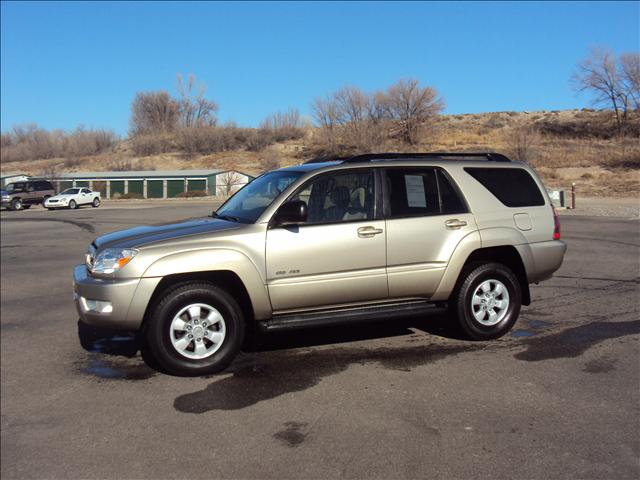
(65,64)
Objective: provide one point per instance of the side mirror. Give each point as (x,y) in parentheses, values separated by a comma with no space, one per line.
(291,213)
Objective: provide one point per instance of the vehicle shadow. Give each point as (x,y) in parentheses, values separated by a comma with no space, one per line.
(109,343)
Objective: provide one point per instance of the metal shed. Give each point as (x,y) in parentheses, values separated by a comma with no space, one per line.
(154,183)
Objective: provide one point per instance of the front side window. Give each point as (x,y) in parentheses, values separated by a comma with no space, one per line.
(340,197)
(70,191)
(251,201)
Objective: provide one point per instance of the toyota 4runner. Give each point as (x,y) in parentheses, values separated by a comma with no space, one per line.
(376,236)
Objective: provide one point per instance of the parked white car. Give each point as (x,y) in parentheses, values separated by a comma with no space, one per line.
(73,198)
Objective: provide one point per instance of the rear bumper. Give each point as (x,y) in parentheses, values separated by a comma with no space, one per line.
(546,258)
(115,303)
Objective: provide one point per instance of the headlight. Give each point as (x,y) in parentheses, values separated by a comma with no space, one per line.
(110,260)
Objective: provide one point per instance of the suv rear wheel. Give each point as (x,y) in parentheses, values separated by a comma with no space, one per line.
(487,302)
(194,329)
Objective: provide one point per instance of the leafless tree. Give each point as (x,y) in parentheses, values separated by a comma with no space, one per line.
(229,182)
(195,109)
(599,74)
(630,77)
(411,105)
(153,112)
(282,126)
(522,141)
(270,160)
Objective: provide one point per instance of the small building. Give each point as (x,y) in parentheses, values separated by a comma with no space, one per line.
(155,183)
(7,178)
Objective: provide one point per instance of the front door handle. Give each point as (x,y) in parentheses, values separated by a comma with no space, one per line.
(455,223)
(368,232)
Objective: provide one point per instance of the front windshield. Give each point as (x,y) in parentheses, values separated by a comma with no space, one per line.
(249,203)
(70,191)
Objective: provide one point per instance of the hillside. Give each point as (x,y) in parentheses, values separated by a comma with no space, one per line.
(564,146)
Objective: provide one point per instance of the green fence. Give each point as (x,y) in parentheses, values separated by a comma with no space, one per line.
(117,186)
(154,189)
(174,187)
(82,183)
(136,186)
(196,185)
(64,184)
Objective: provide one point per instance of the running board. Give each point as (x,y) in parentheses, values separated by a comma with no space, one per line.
(294,321)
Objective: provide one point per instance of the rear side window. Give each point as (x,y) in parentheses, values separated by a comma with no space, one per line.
(421,191)
(43,186)
(514,187)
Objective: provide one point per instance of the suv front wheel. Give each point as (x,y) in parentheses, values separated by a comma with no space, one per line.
(487,302)
(195,329)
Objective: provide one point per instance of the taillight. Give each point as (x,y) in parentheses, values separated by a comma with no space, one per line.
(556,224)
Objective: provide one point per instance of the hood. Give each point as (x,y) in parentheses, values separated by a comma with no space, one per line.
(139,236)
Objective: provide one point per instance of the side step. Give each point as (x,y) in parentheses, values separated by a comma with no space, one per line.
(294,321)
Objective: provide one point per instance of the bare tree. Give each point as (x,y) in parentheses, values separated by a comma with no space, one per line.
(228,182)
(411,105)
(630,77)
(153,112)
(270,160)
(283,125)
(600,75)
(195,109)
(522,141)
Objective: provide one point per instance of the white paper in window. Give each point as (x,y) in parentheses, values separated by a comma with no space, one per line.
(415,191)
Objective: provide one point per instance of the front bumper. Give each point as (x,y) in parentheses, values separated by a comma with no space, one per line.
(115,303)
(48,204)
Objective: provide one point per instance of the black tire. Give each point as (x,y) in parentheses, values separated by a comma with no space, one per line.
(157,329)
(460,304)
(16,204)
(72,204)
(95,203)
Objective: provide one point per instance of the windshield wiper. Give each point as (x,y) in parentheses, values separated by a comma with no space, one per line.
(229,218)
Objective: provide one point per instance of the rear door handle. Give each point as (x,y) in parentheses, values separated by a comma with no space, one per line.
(368,232)
(455,223)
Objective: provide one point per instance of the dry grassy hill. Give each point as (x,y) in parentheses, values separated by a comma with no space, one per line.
(564,146)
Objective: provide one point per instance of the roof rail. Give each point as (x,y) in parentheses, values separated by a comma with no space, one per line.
(369,157)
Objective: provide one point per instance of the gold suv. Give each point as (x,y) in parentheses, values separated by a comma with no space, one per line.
(361,238)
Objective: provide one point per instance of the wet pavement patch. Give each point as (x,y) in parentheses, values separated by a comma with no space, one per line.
(112,354)
(600,365)
(284,372)
(573,342)
(118,370)
(522,333)
(292,436)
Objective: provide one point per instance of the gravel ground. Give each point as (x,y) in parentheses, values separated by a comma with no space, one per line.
(605,207)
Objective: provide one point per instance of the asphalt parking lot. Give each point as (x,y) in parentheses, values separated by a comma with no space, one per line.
(558,398)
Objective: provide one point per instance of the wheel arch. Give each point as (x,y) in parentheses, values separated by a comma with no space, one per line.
(508,256)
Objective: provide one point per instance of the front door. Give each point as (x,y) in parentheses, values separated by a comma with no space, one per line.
(338,255)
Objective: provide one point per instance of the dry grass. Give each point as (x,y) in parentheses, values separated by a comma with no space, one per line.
(566,146)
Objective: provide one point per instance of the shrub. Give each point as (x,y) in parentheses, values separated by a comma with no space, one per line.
(127,196)
(151,144)
(193,193)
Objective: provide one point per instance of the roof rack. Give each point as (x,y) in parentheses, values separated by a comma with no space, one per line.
(370,157)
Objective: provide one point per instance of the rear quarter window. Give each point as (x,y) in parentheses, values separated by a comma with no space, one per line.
(514,187)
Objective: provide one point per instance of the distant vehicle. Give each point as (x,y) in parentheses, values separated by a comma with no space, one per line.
(19,195)
(73,198)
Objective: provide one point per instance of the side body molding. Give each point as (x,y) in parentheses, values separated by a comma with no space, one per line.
(218,259)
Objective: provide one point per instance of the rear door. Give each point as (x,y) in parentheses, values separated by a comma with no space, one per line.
(426,217)
(338,255)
